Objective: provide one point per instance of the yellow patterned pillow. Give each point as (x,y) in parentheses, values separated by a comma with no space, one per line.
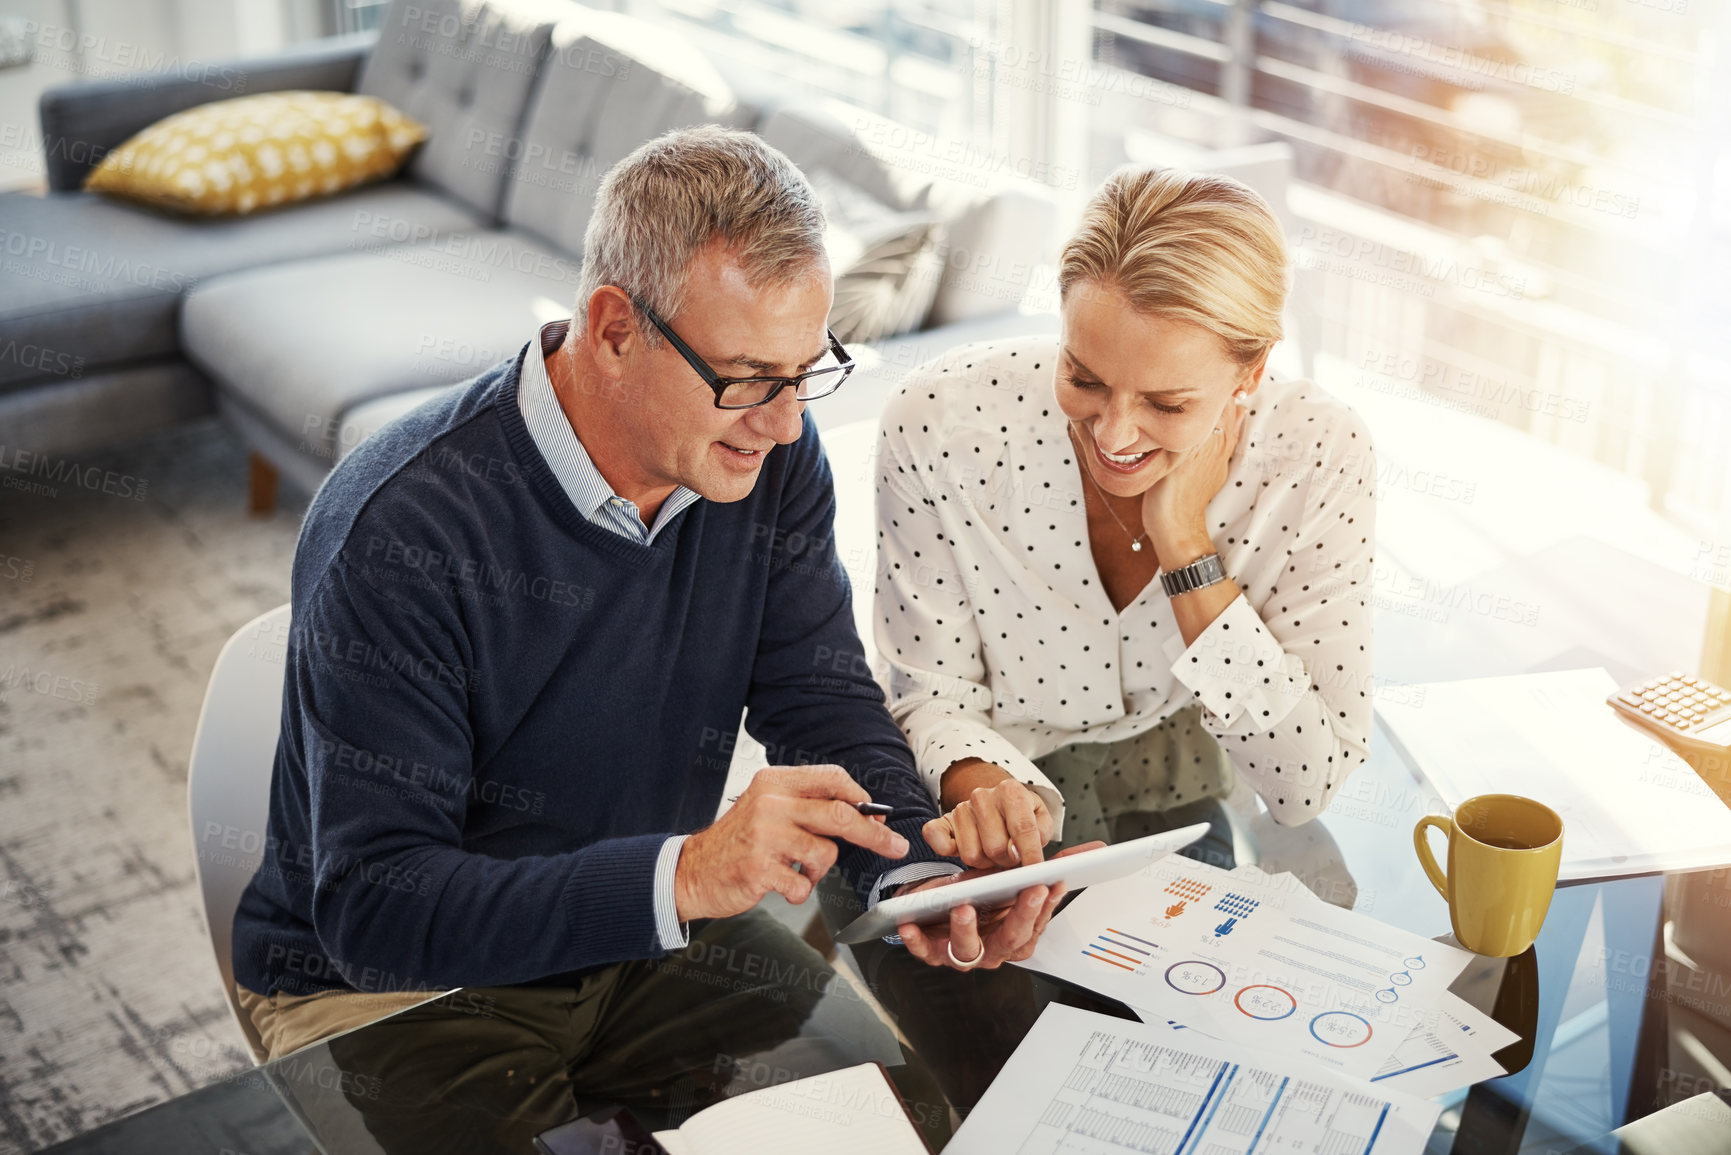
(252,152)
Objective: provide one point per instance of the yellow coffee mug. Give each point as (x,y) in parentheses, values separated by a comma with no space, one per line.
(1503,855)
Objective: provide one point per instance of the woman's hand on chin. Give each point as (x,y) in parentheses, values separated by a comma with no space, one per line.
(1175,508)
(994,820)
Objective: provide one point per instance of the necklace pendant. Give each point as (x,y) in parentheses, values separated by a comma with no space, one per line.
(1136,546)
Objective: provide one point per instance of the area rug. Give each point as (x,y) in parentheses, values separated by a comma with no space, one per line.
(121,575)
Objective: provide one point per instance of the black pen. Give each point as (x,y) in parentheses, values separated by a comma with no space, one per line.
(869,809)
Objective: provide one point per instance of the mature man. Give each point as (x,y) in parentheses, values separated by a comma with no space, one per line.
(501,793)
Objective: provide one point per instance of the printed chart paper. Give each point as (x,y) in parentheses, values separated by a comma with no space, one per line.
(1244,959)
(1453,1052)
(1084,1082)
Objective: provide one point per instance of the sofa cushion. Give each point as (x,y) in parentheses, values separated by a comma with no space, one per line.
(993,254)
(857,146)
(463,68)
(885,241)
(610,84)
(232,157)
(997,228)
(886,263)
(346,329)
(369,417)
(85,119)
(99,282)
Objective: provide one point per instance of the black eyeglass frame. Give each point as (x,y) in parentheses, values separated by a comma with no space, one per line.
(720,384)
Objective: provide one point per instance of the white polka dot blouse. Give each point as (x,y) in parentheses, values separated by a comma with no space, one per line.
(1002,643)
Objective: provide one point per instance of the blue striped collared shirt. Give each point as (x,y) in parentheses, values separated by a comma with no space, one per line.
(571,463)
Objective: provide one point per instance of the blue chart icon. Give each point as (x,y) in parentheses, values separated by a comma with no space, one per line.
(1399,979)
(1235,907)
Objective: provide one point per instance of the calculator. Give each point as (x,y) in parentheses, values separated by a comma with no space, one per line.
(1682,709)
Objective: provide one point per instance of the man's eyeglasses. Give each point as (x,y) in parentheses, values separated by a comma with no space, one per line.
(748,392)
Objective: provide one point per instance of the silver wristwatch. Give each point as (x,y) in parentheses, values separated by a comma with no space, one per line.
(1204,571)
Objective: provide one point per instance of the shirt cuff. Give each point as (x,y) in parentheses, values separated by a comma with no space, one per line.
(673,934)
(1237,669)
(942,742)
(902,875)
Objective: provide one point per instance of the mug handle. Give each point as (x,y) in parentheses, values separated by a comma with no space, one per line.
(1425,858)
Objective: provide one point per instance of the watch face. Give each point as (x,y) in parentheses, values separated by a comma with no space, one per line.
(1202,572)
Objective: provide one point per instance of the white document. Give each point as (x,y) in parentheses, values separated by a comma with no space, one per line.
(1083,1082)
(1628,804)
(1252,959)
(854,1111)
(1453,1052)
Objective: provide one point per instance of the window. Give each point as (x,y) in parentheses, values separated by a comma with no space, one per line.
(1533,198)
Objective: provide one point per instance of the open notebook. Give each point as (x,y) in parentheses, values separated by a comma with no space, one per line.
(840,1113)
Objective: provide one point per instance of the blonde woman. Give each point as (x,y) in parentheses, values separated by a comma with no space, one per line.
(1120,566)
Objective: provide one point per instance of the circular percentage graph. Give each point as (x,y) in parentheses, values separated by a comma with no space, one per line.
(1340,1029)
(1265,1002)
(1195,977)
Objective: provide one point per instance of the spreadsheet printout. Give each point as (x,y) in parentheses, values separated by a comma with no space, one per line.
(1087,1084)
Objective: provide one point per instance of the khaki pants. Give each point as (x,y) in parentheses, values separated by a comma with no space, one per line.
(286,1023)
(486,1069)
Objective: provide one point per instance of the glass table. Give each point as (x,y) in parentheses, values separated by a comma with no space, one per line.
(1597,1003)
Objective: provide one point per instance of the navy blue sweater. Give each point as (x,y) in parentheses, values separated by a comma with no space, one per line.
(495,712)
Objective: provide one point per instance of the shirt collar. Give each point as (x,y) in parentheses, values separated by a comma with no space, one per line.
(571,464)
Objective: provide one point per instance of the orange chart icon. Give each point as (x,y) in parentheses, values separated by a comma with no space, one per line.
(1185,890)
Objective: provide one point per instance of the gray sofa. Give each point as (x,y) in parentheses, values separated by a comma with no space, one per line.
(308,327)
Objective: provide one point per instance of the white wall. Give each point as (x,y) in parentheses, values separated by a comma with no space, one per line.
(103,38)
(20,141)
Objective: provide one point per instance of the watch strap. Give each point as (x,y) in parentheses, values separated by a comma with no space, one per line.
(1204,571)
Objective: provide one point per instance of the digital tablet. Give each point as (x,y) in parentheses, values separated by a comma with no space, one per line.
(1074,871)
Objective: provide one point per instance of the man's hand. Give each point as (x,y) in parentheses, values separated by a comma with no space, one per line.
(785,818)
(993,937)
(992,819)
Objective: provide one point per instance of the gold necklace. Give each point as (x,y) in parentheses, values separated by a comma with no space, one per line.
(1135,540)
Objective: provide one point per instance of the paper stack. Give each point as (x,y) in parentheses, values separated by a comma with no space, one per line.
(1257,960)
(1629,805)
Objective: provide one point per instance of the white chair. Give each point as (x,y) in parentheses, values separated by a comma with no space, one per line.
(228,801)
(228,780)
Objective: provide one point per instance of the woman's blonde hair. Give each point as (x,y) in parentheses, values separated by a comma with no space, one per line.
(1188,246)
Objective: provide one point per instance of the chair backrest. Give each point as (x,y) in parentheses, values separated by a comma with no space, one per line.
(228,780)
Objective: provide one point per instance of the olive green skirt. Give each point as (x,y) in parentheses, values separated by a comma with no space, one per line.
(1166,776)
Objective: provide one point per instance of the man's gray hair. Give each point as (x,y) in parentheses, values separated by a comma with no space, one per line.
(660,205)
